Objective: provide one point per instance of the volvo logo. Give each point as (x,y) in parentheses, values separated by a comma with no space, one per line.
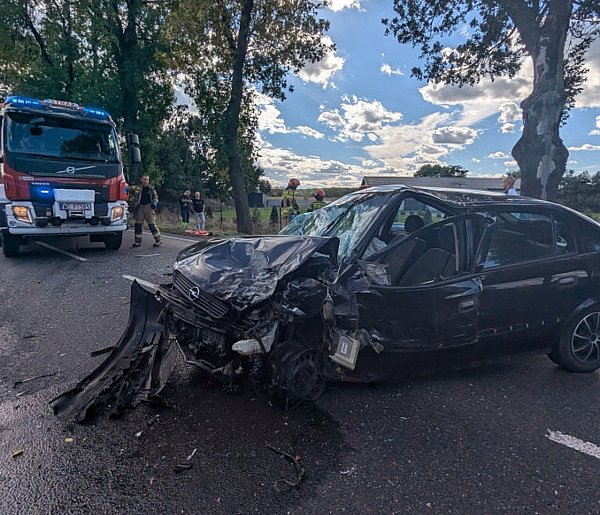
(194,293)
(71,169)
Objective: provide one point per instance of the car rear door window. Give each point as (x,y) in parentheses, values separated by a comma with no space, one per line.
(518,237)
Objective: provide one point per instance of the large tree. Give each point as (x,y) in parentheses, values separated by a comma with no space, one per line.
(248,44)
(554,34)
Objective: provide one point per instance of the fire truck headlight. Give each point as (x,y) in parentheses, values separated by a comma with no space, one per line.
(117,212)
(22,213)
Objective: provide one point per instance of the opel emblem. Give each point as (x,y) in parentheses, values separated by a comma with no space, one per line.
(194,293)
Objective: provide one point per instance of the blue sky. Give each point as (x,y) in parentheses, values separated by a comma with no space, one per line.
(359,112)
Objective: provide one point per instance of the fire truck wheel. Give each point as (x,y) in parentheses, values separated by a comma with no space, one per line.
(10,244)
(113,241)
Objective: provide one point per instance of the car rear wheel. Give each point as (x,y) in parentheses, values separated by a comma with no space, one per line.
(579,347)
(113,241)
(10,244)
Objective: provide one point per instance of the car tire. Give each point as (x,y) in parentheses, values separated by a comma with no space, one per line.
(578,349)
(10,245)
(113,241)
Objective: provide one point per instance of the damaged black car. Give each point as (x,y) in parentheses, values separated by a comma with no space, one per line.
(345,292)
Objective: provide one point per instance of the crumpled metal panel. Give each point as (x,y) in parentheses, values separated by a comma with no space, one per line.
(246,271)
(136,370)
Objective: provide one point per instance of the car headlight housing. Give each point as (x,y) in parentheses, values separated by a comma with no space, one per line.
(117,212)
(22,213)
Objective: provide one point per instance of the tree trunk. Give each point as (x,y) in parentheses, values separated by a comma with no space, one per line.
(540,152)
(232,122)
(126,56)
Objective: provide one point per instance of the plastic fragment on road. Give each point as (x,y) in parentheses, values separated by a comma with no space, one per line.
(69,439)
(17,453)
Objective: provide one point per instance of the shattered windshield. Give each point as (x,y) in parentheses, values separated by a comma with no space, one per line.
(346,219)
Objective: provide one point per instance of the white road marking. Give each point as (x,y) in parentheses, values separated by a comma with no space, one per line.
(146,255)
(574,443)
(42,244)
(174,237)
(141,281)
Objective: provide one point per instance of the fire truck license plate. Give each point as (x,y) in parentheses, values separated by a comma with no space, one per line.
(76,207)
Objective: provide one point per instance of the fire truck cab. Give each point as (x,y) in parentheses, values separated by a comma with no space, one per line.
(61,173)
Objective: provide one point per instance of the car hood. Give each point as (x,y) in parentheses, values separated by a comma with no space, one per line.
(246,271)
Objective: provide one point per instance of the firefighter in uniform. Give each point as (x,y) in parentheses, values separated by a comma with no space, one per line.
(144,204)
(289,206)
(318,202)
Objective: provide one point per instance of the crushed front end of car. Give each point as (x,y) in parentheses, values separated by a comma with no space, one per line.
(259,308)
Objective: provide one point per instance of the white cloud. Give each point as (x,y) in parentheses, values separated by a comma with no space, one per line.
(322,71)
(270,120)
(310,132)
(388,70)
(596,131)
(454,135)
(281,164)
(510,163)
(499,155)
(407,146)
(338,5)
(484,99)
(590,96)
(572,162)
(475,160)
(359,119)
(510,112)
(585,147)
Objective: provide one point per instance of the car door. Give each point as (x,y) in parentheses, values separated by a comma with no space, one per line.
(522,275)
(430,312)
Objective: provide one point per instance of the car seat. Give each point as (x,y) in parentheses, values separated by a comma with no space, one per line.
(436,262)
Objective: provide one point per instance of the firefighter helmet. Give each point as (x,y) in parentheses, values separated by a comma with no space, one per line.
(294,183)
(319,194)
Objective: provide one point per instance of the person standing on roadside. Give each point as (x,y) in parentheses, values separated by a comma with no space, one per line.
(198,208)
(185,205)
(318,202)
(289,206)
(144,204)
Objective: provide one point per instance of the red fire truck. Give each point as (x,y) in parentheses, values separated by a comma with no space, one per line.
(61,173)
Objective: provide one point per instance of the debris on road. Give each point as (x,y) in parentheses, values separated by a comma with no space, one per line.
(296,461)
(16,454)
(152,420)
(17,383)
(139,434)
(180,467)
(69,439)
(348,472)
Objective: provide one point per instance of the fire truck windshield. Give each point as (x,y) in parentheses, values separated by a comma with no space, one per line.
(45,135)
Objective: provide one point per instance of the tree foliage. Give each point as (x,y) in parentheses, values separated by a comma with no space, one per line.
(237,47)
(554,34)
(104,53)
(580,191)
(438,170)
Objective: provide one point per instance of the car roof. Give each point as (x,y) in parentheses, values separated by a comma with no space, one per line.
(461,197)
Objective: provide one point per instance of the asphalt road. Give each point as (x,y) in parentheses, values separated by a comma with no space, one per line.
(510,434)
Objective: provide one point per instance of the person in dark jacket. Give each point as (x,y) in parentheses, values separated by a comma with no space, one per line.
(185,205)
(198,208)
(145,202)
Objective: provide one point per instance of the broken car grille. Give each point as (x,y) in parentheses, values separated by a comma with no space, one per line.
(201,300)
